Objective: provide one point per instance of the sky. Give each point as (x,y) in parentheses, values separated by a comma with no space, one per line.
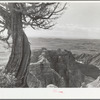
(81,20)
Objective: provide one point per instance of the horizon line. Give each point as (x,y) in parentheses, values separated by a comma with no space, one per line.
(66,38)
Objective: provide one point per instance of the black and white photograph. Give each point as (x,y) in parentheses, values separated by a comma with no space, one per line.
(46,44)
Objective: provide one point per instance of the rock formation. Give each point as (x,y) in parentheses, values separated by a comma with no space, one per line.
(51,86)
(88,70)
(95,60)
(59,65)
(91,59)
(60,68)
(43,74)
(94,84)
(84,58)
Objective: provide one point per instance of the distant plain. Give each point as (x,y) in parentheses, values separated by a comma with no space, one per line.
(76,46)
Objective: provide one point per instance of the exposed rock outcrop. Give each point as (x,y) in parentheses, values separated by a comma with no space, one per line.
(51,86)
(94,84)
(95,60)
(60,62)
(60,68)
(43,74)
(84,58)
(32,81)
(89,59)
(89,70)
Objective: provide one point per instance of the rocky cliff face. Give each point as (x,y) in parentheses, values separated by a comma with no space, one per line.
(91,69)
(84,58)
(89,59)
(94,84)
(43,73)
(59,68)
(95,60)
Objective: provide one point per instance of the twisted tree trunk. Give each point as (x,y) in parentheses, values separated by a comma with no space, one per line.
(20,55)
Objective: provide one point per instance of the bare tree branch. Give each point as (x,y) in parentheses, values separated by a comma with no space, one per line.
(36,15)
(41,13)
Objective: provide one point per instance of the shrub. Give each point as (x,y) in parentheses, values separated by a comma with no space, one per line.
(7,80)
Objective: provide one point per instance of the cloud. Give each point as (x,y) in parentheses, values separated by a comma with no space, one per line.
(73,27)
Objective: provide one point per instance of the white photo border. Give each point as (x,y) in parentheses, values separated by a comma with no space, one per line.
(50,93)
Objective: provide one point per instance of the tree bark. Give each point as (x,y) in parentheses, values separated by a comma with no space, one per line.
(20,55)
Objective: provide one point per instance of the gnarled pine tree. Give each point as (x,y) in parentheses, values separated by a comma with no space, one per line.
(16,16)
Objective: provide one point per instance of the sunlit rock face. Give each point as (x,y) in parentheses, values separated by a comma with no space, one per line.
(94,84)
(84,58)
(51,86)
(55,67)
(91,59)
